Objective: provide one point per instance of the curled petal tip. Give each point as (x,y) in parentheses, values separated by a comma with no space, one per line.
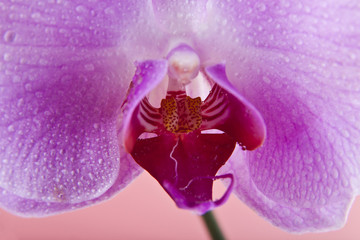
(245,122)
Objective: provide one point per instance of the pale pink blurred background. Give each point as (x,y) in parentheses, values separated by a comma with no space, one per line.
(144,211)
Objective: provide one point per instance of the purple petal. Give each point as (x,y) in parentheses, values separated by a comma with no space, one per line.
(299,67)
(245,124)
(38,208)
(68,23)
(62,83)
(148,75)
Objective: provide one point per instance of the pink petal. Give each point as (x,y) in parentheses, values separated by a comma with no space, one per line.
(62,84)
(37,208)
(147,76)
(299,67)
(245,124)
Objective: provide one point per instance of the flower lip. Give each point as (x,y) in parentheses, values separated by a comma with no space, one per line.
(180,157)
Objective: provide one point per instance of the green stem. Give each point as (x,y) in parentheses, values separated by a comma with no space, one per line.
(212,226)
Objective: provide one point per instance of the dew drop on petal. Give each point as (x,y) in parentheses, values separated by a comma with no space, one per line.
(7,57)
(261,7)
(286,59)
(352,56)
(20,102)
(266,79)
(109,11)
(36,15)
(28,87)
(43,61)
(11,128)
(89,67)
(9,36)
(16,79)
(335,173)
(91,176)
(81,9)
(307,9)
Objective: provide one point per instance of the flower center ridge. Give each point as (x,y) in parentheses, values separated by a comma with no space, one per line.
(181,113)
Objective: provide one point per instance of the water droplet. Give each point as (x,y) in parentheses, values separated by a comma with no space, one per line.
(20,102)
(248,24)
(39,94)
(43,61)
(16,79)
(28,87)
(11,128)
(335,173)
(89,67)
(91,176)
(81,9)
(352,56)
(261,7)
(9,36)
(285,4)
(109,11)
(266,79)
(35,15)
(7,56)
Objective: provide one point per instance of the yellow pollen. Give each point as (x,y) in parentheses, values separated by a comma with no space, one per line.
(181,115)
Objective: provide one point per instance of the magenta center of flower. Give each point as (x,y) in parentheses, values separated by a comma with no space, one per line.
(181,156)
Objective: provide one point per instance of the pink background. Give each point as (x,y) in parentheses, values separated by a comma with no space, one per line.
(144,211)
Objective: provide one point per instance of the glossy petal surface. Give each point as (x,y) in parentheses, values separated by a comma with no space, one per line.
(298,65)
(296,62)
(179,17)
(58,104)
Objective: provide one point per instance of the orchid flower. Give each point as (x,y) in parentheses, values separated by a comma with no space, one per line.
(262,94)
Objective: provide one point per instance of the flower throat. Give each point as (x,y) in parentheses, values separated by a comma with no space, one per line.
(182,156)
